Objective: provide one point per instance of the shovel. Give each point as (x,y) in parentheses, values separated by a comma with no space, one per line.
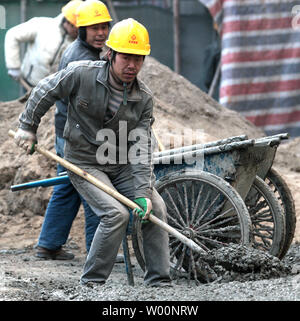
(24,98)
(78,171)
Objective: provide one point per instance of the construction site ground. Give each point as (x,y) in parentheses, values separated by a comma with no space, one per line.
(178,105)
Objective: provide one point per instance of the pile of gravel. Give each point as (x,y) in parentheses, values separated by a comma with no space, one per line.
(241,263)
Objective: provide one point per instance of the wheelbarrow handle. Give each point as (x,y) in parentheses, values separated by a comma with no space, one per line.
(41,183)
(78,171)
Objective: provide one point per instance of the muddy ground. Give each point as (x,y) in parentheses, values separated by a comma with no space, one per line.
(179,105)
(26,278)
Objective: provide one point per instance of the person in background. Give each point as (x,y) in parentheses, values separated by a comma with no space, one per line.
(45,38)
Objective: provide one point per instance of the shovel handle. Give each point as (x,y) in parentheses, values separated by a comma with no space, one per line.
(190,243)
(161,147)
(24,84)
(81,173)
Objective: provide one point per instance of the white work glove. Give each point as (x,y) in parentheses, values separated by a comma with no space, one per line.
(14,74)
(26,140)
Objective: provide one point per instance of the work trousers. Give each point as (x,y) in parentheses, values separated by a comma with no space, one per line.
(114,218)
(62,210)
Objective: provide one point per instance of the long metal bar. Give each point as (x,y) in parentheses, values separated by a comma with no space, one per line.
(176,28)
(229,140)
(41,183)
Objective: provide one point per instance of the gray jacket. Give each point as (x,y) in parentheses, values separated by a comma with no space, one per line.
(85,84)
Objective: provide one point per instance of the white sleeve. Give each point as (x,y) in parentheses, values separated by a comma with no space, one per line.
(22,33)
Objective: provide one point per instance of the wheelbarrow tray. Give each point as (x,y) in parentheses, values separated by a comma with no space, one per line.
(237,160)
(234,159)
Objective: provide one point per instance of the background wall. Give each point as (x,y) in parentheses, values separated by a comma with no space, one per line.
(196,34)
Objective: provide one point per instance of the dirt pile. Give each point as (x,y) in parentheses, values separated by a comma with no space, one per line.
(21,212)
(180,105)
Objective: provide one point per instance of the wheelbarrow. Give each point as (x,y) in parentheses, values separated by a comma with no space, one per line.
(205,197)
(246,165)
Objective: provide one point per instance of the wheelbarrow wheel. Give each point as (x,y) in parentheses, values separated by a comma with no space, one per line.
(285,198)
(268,224)
(203,207)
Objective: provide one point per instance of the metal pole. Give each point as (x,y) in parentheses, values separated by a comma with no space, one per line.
(218,70)
(23,4)
(176,36)
(112,10)
(215,80)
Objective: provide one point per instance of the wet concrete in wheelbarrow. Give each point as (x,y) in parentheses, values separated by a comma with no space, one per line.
(243,274)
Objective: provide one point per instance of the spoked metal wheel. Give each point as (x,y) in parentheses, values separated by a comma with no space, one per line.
(206,209)
(282,192)
(267,218)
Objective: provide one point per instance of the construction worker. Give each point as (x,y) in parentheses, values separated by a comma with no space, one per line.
(45,39)
(106,99)
(65,200)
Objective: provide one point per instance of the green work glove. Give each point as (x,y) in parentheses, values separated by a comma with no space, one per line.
(145,209)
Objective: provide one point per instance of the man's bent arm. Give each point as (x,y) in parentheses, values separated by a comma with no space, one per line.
(44,95)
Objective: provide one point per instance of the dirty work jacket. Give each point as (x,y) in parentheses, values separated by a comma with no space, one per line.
(77,50)
(85,83)
(46,40)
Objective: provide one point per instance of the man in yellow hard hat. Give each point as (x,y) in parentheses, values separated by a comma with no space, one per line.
(93,20)
(69,13)
(46,39)
(108,134)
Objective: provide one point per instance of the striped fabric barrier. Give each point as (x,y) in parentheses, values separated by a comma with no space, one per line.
(260,61)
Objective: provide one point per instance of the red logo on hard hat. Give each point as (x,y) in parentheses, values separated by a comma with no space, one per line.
(133,40)
(97,13)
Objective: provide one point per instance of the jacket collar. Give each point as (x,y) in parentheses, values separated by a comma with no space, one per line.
(88,46)
(102,77)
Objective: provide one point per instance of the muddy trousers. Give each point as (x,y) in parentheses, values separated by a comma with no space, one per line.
(114,218)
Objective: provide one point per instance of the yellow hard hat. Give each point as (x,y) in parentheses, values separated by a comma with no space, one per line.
(91,12)
(69,10)
(129,36)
